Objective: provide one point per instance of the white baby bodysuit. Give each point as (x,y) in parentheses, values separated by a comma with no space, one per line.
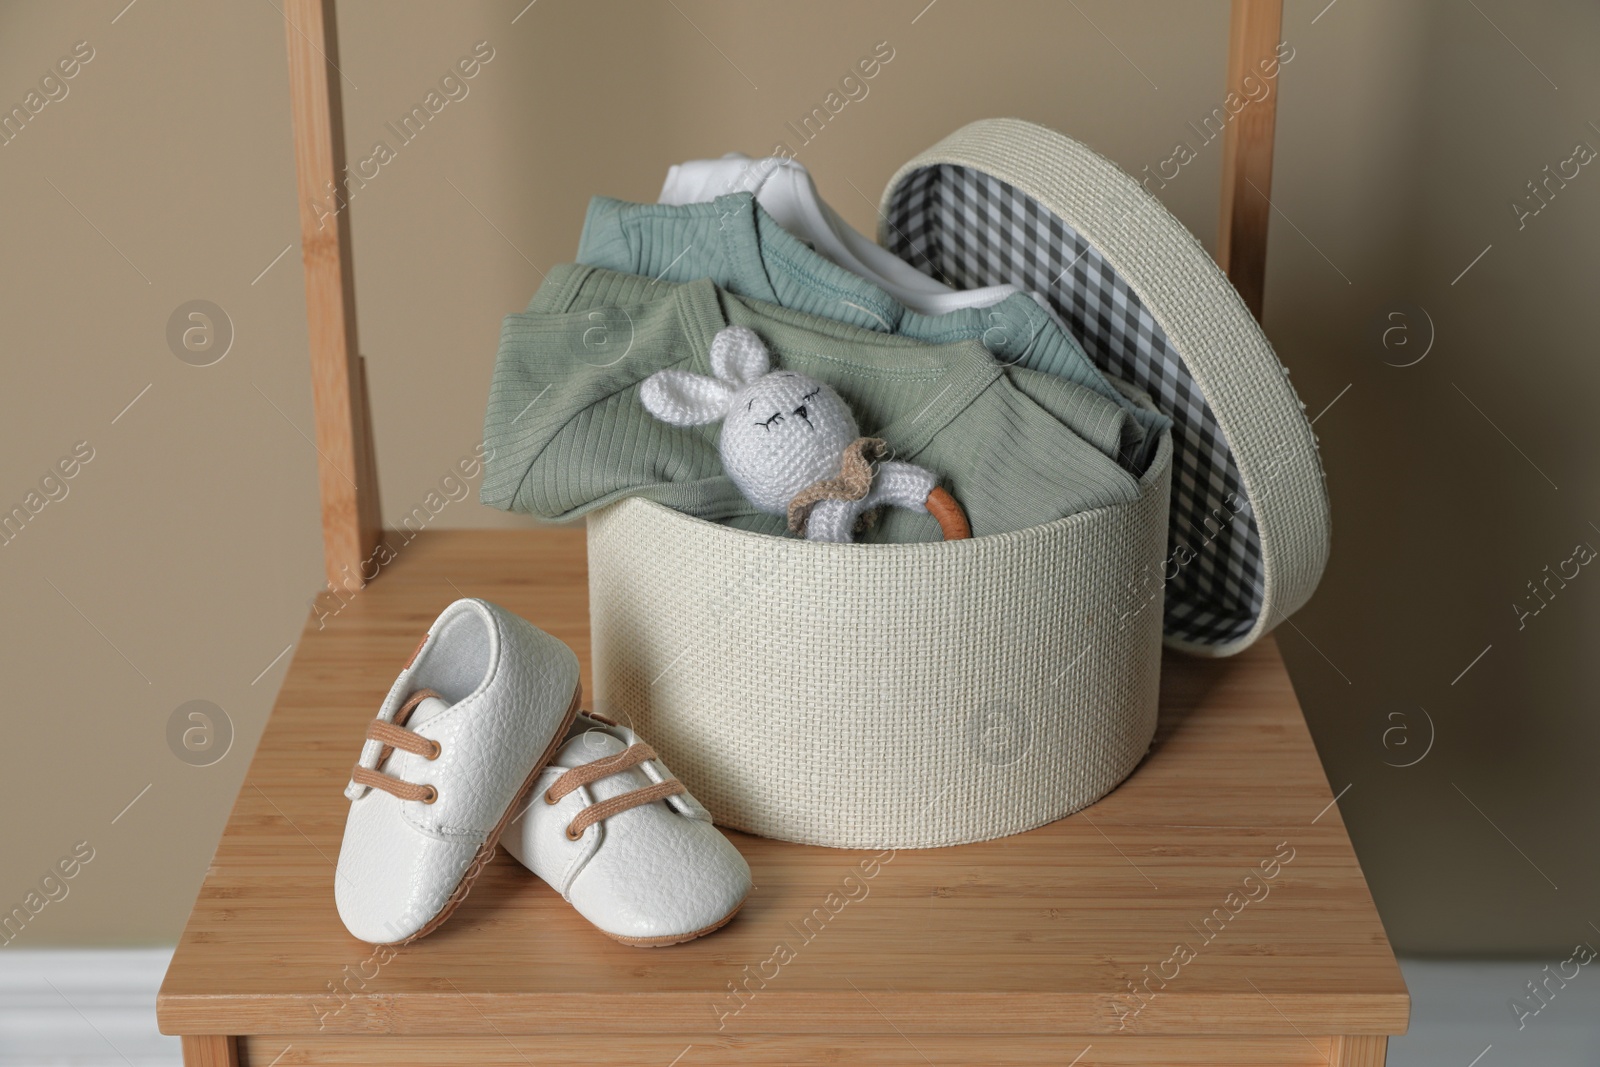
(784,188)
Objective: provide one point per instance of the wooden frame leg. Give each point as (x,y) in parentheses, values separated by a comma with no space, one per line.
(1363,1051)
(210,1050)
(346,467)
(1255,30)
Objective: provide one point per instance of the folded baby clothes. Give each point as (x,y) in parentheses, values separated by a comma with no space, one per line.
(784,188)
(566,432)
(734,241)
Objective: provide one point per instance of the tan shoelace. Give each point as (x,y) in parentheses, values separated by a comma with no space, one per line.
(393,735)
(587,773)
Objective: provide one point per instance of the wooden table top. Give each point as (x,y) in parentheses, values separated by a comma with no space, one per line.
(1214,892)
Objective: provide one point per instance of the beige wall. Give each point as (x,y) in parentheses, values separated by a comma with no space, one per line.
(180,562)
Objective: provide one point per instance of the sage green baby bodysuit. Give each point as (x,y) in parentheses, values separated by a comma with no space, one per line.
(565,431)
(734,242)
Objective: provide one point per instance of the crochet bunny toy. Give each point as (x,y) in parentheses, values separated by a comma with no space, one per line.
(791,444)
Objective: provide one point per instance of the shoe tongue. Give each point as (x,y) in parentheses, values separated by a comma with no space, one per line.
(587,745)
(424,711)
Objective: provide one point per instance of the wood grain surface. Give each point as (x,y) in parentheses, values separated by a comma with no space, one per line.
(1065,930)
(346,466)
(1254,32)
(893,1050)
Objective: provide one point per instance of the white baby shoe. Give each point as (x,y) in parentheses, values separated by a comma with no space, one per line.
(623,841)
(472,719)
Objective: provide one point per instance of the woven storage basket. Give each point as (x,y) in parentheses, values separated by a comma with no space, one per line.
(915,695)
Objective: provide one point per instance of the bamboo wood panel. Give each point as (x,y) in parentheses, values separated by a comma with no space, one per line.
(992,1050)
(1359,1051)
(211,1051)
(1254,32)
(346,466)
(1043,933)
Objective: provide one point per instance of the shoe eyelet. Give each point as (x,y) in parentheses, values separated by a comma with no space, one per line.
(431,795)
(570,835)
(433,753)
(548,799)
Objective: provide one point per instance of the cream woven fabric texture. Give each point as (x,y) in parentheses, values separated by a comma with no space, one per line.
(885,696)
(1202,316)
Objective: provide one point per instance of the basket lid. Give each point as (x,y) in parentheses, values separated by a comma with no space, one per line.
(1003,200)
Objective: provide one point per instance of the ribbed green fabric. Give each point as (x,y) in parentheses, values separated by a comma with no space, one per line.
(733,241)
(566,433)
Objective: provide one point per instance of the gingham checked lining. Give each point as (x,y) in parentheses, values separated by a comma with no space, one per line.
(970,229)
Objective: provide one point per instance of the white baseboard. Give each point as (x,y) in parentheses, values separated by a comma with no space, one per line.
(1461,1014)
(83,1008)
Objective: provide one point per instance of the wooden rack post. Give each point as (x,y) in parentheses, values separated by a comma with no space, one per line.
(346,466)
(1253,36)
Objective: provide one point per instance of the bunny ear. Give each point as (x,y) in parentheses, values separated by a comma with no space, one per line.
(738,356)
(685,399)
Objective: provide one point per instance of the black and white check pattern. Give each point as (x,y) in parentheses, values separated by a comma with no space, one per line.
(969,230)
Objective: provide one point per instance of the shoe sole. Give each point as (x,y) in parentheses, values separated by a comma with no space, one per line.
(485,852)
(675,939)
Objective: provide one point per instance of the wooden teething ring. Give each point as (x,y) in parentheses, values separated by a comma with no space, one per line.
(952,520)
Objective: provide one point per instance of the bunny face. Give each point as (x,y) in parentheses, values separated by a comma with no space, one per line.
(781,430)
